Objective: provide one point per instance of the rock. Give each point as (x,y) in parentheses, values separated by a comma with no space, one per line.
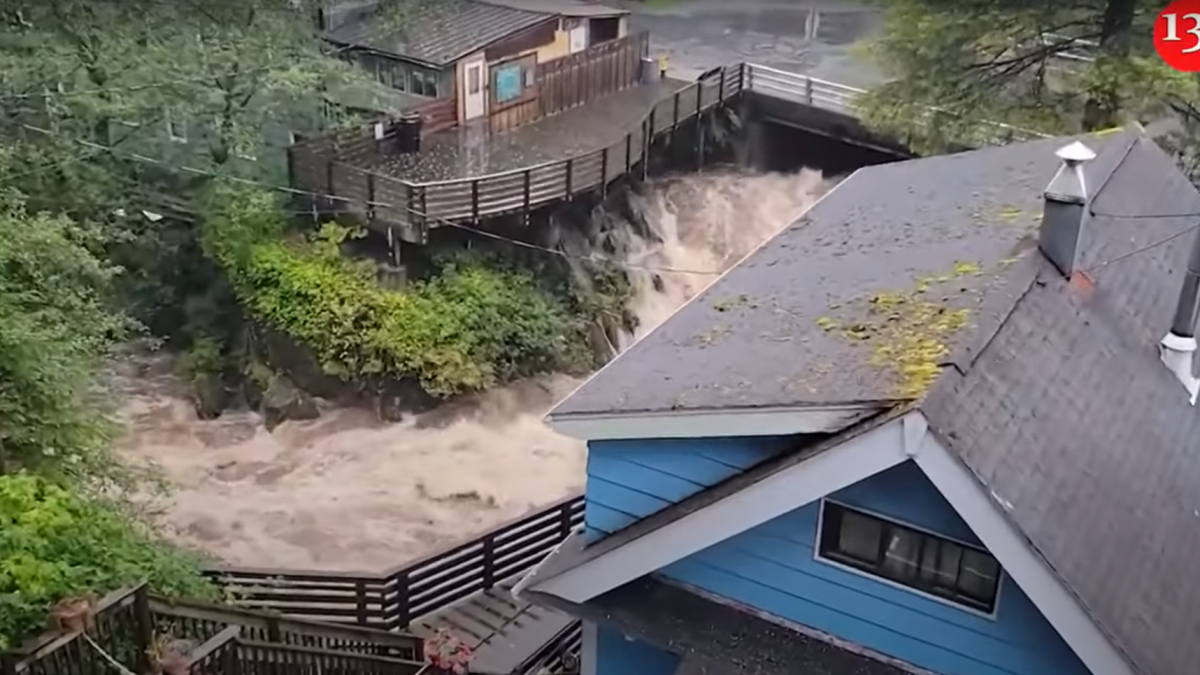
(284,401)
(209,396)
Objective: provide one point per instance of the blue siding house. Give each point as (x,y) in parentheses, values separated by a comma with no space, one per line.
(997,477)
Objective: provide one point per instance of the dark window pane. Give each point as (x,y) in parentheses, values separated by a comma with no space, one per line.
(859,537)
(902,554)
(977,580)
(916,559)
(939,564)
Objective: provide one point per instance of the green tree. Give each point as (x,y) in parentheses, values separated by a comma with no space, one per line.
(1049,67)
(56,325)
(234,77)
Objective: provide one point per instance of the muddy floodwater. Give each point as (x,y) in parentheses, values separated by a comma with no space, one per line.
(348,492)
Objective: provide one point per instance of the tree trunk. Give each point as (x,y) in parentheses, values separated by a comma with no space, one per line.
(1116,31)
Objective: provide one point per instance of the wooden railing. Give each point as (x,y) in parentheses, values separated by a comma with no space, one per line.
(841,98)
(231,654)
(438,115)
(228,640)
(426,205)
(393,599)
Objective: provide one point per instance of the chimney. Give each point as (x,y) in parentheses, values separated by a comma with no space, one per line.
(1065,200)
(1179,346)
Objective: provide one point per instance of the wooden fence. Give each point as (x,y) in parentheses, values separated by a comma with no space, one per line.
(417,207)
(393,599)
(589,75)
(222,640)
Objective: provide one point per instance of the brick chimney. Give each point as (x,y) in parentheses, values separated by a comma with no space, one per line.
(1065,204)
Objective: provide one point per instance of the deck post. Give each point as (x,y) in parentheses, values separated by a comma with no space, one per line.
(675,113)
(604,172)
(647,142)
(489,562)
(475,201)
(570,177)
(370,195)
(329,183)
(527,187)
(144,625)
(360,602)
(628,151)
(721,87)
(700,129)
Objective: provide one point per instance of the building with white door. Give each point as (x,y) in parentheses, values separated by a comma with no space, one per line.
(479,58)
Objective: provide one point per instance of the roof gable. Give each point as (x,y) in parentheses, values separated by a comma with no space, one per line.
(578,572)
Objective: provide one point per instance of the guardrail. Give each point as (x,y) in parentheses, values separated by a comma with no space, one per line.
(419,206)
(840,98)
(393,599)
(126,624)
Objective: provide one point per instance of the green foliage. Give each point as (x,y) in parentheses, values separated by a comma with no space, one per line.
(981,60)
(56,544)
(467,328)
(56,325)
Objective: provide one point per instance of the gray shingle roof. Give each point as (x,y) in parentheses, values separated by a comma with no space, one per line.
(755,338)
(1057,401)
(437,32)
(1070,419)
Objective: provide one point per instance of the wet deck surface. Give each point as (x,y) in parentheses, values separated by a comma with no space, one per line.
(507,631)
(471,153)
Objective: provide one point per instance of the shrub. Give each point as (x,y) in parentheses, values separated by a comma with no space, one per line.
(468,328)
(56,543)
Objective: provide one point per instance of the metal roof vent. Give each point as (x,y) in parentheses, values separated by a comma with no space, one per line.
(1063,211)
(1178,348)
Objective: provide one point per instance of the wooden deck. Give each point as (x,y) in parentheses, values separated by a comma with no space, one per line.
(471,153)
(535,165)
(507,634)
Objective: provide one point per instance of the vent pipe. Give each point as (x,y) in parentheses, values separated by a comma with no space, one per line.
(1178,348)
(1065,201)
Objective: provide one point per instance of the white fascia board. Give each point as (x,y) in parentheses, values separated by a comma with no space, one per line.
(712,423)
(859,458)
(988,520)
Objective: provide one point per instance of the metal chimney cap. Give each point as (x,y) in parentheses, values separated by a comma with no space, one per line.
(1075,153)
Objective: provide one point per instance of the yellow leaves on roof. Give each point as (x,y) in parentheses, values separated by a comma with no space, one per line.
(909,331)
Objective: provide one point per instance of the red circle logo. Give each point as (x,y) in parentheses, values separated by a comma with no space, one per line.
(1177,35)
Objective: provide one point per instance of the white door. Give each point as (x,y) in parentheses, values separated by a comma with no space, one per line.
(577,38)
(473,93)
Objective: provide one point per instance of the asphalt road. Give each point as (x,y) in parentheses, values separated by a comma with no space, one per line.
(813,37)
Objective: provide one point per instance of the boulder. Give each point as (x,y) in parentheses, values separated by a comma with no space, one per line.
(209,396)
(284,401)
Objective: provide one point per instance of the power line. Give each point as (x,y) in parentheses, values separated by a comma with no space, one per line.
(309,193)
(1144,249)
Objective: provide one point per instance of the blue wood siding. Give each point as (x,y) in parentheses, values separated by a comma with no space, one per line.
(618,655)
(773,567)
(629,480)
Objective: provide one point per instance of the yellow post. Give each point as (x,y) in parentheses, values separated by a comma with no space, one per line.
(662,65)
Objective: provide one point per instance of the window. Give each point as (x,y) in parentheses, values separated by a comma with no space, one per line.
(473,79)
(956,572)
(424,83)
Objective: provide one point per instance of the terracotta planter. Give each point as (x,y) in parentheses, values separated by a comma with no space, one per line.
(73,614)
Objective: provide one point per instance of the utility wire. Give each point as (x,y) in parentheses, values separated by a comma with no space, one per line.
(180,168)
